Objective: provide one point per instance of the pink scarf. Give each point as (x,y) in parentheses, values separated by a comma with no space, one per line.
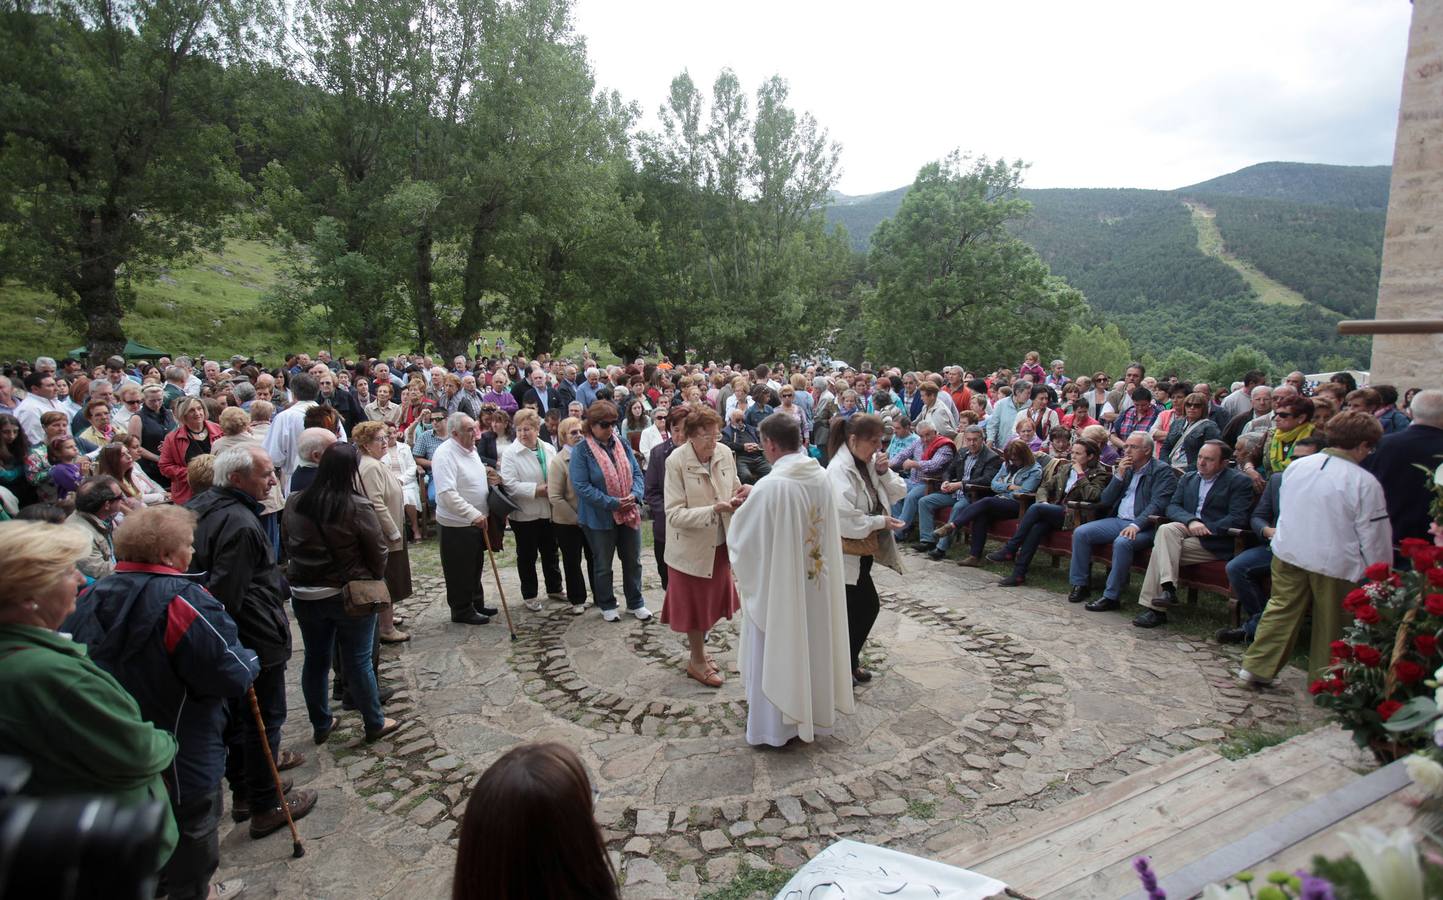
(616,469)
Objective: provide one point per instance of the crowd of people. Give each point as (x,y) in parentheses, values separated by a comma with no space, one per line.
(189,507)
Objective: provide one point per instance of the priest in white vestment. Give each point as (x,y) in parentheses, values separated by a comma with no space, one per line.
(786,553)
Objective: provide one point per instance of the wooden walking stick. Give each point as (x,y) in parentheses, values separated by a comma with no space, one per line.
(506,610)
(297,850)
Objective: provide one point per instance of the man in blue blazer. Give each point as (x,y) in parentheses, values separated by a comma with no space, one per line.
(1139,489)
(1395,464)
(1207,503)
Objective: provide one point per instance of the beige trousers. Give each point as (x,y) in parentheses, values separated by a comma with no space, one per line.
(1171,550)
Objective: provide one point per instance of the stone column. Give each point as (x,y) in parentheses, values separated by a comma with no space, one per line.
(1411,286)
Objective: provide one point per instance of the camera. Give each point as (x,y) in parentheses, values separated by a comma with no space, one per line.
(78,847)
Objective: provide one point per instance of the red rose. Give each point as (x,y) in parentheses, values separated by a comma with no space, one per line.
(1433,604)
(1426,645)
(1435,577)
(1316,687)
(1368,656)
(1408,671)
(1335,686)
(1367,614)
(1355,598)
(1377,571)
(1341,650)
(1410,546)
(1387,708)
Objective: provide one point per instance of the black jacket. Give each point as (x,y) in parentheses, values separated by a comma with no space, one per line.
(345,403)
(566,391)
(655,491)
(1154,492)
(553,400)
(983,471)
(329,554)
(1206,430)
(233,558)
(1405,486)
(173,647)
(1265,514)
(1226,507)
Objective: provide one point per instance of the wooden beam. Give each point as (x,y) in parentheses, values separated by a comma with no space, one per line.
(1391,326)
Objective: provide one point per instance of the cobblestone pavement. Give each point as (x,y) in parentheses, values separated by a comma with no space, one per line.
(988,704)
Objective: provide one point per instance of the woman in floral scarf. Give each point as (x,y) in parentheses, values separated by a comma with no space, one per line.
(609,489)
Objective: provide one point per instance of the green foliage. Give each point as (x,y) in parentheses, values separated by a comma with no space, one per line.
(1095,349)
(748,882)
(1331,256)
(1185,364)
(952,279)
(1237,362)
(1247,741)
(117,160)
(1345,187)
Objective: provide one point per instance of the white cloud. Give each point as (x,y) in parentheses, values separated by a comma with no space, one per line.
(1106,94)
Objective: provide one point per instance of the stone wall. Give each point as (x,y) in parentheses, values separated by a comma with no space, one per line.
(1411,286)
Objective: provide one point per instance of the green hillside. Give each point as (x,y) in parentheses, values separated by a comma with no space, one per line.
(1347,187)
(212,308)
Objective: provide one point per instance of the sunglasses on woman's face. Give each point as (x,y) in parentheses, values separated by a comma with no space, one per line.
(609,423)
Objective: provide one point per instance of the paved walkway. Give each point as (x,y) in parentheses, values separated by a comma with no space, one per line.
(988,703)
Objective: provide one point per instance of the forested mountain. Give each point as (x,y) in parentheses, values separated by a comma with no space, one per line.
(1135,255)
(1349,187)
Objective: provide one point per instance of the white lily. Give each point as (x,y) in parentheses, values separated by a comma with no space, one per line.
(1426,774)
(1231,892)
(1390,861)
(1438,476)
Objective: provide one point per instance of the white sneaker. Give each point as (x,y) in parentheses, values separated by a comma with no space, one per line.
(642,613)
(533,604)
(578,608)
(611,615)
(1247,677)
(226,890)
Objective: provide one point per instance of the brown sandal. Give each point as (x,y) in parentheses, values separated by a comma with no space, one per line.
(711,678)
(711,665)
(289,759)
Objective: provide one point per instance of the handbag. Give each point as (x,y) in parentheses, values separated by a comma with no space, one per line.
(499,502)
(866,546)
(365,596)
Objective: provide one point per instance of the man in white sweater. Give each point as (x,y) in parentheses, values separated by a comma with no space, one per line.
(1332,527)
(462,482)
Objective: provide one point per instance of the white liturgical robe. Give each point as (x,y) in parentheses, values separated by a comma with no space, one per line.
(786,553)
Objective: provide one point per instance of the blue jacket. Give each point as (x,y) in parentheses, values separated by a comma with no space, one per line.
(1154,492)
(1265,514)
(1027,479)
(1405,486)
(595,504)
(174,648)
(1226,507)
(1393,420)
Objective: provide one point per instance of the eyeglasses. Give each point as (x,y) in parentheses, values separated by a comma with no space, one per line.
(609,423)
(1280,414)
(1195,406)
(132,403)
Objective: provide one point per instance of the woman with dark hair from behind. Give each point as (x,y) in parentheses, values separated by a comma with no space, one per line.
(334,537)
(530,832)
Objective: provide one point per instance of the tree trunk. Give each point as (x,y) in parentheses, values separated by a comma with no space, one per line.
(94,283)
(423,304)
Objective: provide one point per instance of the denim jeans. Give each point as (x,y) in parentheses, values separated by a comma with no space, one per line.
(906,509)
(322,623)
(927,513)
(1105,531)
(983,513)
(1040,520)
(626,543)
(1246,572)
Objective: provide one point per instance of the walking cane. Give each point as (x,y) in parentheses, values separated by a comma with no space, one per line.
(486,536)
(297,851)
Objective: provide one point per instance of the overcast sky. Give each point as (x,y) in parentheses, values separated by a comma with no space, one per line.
(1104,94)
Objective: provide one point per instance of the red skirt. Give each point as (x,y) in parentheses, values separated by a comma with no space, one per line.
(696,604)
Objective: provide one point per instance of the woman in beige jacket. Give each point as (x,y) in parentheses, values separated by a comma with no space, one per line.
(701,492)
(383,489)
(563,516)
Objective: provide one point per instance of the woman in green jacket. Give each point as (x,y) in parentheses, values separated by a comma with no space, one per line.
(79,730)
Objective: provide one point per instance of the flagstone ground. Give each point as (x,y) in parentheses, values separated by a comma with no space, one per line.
(988,703)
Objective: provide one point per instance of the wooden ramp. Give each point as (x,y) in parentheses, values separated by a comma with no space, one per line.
(1262,810)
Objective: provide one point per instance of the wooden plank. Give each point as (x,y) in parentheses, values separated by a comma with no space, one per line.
(1172,851)
(1181,803)
(1390,326)
(1045,822)
(1387,814)
(1319,816)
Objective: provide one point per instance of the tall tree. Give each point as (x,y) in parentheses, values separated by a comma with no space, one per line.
(116,157)
(952,280)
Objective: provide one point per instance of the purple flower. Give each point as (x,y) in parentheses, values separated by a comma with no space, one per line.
(1314,887)
(1149,879)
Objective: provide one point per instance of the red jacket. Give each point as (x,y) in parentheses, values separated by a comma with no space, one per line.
(172,460)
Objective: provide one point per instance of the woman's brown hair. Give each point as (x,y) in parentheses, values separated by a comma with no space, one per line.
(700,419)
(1018,455)
(530,831)
(600,411)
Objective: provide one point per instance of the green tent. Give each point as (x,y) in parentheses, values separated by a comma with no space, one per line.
(133,350)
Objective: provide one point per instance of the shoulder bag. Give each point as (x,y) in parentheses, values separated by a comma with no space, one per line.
(866,546)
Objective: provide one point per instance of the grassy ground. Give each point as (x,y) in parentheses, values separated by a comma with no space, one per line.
(211,308)
(1210,241)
